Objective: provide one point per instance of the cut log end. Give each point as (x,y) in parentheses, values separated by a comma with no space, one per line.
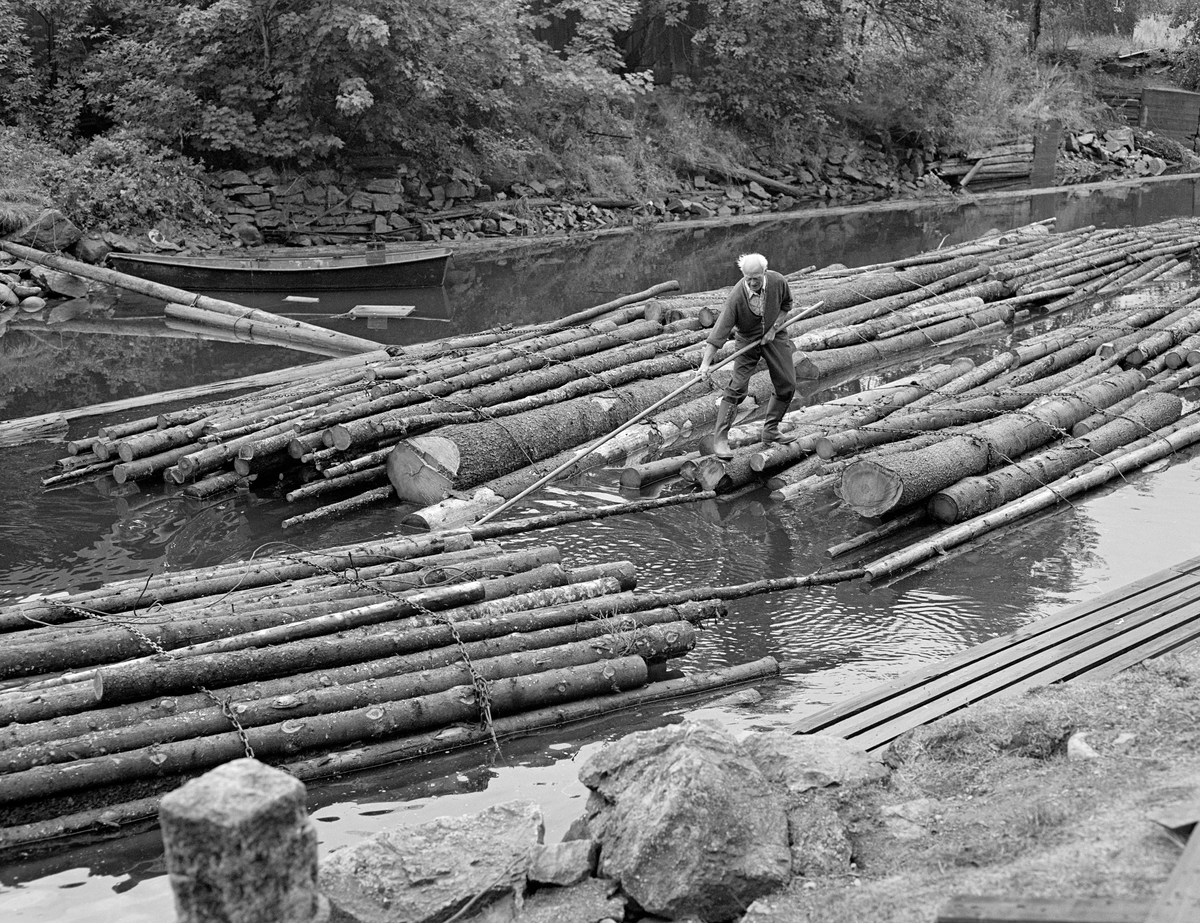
(806,369)
(710,473)
(944,508)
(870,489)
(422,469)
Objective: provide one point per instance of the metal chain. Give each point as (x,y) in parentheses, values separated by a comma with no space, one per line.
(479,684)
(223,704)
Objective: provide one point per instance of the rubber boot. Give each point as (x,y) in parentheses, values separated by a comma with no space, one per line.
(726,411)
(770,430)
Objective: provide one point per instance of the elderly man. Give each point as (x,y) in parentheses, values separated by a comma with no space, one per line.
(754,312)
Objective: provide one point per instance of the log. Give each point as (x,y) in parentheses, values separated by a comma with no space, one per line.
(215,484)
(552,716)
(529,391)
(39,705)
(196,320)
(241,629)
(644,630)
(167,293)
(146,592)
(872,488)
(886,403)
(426,469)
(151,465)
(891,527)
(634,476)
(483,368)
(1040,499)
(973,496)
(388,719)
(368,755)
(655,643)
(831,361)
(266,654)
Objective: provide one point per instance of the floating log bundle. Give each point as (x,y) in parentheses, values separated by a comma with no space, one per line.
(125,691)
(1004,378)
(460,427)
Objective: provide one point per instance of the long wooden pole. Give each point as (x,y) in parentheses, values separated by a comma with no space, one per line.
(636,418)
(169,293)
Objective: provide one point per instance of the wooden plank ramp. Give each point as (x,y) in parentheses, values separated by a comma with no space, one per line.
(1094,639)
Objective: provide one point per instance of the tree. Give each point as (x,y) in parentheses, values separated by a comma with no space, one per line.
(773,68)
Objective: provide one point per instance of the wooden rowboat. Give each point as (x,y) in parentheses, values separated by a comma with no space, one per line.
(287,271)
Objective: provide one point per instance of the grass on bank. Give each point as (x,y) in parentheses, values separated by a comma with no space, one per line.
(987,802)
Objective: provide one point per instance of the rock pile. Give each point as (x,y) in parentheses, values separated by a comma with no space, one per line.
(26,291)
(682,823)
(1092,156)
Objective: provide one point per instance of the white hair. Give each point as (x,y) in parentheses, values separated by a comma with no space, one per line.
(752,263)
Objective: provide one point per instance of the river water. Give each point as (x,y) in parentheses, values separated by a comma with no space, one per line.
(838,640)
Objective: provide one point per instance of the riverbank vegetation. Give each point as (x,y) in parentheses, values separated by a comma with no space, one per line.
(114,109)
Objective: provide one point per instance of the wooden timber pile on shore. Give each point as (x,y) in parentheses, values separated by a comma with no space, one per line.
(324,663)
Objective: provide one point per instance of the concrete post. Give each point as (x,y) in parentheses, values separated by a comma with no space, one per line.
(240,848)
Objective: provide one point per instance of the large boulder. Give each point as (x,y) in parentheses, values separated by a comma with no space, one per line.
(431,871)
(801,762)
(687,822)
(51,230)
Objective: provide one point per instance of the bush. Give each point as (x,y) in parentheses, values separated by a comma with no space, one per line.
(121,181)
(950,78)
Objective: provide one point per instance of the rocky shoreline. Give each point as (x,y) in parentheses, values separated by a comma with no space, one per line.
(251,209)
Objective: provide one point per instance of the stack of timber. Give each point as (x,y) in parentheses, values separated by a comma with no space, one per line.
(1002,166)
(324,663)
(461,428)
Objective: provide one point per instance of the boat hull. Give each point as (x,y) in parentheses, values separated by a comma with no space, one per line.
(382,269)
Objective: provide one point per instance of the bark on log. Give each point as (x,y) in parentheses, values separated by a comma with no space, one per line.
(426,469)
(316,335)
(873,488)
(187,671)
(563,381)
(973,496)
(654,643)
(831,361)
(506,696)
(634,625)
(357,646)
(144,593)
(108,645)
(484,368)
(1042,498)
(526,722)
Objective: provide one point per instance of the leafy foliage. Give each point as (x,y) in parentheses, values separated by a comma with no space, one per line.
(122,181)
(44,47)
(924,68)
(773,67)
